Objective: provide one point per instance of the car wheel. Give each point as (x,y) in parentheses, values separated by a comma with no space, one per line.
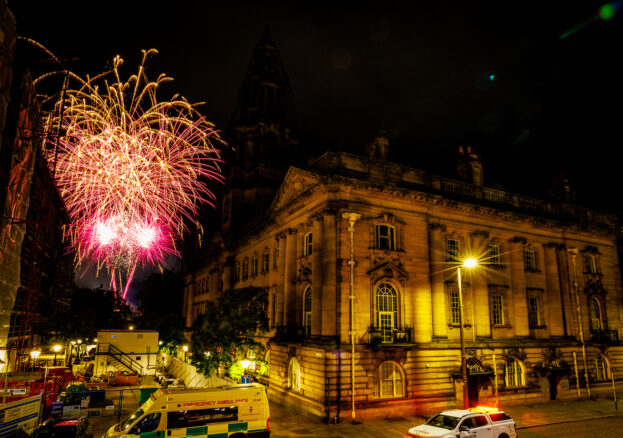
(503,436)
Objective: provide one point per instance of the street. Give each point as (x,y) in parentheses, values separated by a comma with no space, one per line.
(597,428)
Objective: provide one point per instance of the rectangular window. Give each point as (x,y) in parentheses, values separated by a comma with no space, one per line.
(385,237)
(275,258)
(497,310)
(245,270)
(529,256)
(494,255)
(201,417)
(266,262)
(533,311)
(455,310)
(237,273)
(452,250)
(254,267)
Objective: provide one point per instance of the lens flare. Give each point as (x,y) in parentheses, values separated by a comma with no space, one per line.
(131,170)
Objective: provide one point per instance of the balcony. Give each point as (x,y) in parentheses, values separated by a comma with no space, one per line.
(382,336)
(291,333)
(606,336)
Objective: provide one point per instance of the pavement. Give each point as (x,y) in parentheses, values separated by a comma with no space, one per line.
(285,422)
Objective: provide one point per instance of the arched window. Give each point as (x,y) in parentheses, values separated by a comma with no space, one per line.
(386,311)
(388,380)
(307,244)
(294,375)
(307,309)
(590,267)
(596,323)
(514,373)
(602,367)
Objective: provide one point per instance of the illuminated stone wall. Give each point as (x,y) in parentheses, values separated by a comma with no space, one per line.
(424,211)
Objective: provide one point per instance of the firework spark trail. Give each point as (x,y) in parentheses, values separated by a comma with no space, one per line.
(131,170)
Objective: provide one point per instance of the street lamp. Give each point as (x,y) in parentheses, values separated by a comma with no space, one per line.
(468,263)
(245,363)
(34,354)
(56,349)
(185,348)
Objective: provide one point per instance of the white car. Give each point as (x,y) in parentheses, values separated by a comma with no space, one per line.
(473,423)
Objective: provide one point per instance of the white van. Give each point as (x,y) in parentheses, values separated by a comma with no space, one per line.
(237,411)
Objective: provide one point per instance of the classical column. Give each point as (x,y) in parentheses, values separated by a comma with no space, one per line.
(552,292)
(317,267)
(437,254)
(481,325)
(329,283)
(281,280)
(518,289)
(289,283)
(227,274)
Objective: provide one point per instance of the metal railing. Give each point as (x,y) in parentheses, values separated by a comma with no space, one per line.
(390,335)
(121,357)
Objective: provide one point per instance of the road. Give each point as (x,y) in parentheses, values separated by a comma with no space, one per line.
(598,428)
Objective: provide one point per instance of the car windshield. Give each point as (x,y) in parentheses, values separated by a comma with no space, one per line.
(55,432)
(125,424)
(443,421)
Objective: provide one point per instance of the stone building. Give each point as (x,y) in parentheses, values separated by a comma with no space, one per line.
(360,256)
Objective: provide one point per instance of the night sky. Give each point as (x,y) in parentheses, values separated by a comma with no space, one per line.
(421,71)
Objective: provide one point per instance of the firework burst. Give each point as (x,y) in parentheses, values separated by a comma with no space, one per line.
(131,170)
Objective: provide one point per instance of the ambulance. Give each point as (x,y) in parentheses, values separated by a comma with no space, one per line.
(237,411)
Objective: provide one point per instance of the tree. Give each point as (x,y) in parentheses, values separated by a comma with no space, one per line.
(90,310)
(160,302)
(228,328)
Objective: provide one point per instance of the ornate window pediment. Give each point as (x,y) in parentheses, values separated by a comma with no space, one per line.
(388,270)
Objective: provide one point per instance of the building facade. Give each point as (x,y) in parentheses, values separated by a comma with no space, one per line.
(360,257)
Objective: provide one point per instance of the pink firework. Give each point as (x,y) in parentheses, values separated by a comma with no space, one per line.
(132,170)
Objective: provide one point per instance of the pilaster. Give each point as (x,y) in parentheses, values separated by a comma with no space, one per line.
(437,252)
(518,282)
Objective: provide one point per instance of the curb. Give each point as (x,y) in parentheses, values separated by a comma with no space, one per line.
(570,421)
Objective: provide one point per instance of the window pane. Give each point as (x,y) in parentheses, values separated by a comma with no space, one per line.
(494,254)
(530,259)
(533,311)
(452,250)
(454,308)
(497,314)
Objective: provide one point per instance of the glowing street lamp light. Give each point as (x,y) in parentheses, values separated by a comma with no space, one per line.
(468,263)
(185,348)
(245,363)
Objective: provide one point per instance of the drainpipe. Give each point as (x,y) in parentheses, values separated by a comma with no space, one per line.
(574,252)
(352,218)
(338,320)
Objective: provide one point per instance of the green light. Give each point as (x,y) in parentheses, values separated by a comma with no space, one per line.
(607,11)
(491,77)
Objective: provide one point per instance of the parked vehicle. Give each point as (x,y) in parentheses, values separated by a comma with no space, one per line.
(64,428)
(480,422)
(227,411)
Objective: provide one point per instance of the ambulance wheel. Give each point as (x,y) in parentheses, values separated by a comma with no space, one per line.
(238,435)
(503,436)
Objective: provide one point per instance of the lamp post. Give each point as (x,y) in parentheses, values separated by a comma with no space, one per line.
(467,263)
(185,348)
(352,218)
(574,252)
(34,354)
(56,349)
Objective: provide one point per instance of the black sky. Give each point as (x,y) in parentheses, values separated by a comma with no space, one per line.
(419,70)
